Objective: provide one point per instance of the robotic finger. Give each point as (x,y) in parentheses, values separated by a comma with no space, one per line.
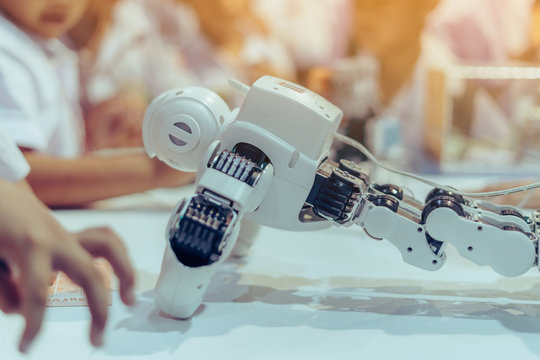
(501,238)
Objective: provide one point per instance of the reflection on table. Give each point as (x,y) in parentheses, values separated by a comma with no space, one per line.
(315,295)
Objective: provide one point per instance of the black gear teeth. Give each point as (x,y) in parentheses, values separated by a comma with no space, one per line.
(200,234)
(237,167)
(337,195)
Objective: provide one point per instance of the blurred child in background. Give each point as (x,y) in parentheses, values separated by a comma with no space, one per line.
(39,109)
(315,32)
(241,40)
(125,63)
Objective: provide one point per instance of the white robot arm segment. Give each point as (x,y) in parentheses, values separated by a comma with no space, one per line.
(204,228)
(180,124)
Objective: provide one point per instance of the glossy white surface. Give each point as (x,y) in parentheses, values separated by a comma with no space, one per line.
(332,294)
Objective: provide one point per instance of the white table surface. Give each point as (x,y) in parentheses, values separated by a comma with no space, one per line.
(333,294)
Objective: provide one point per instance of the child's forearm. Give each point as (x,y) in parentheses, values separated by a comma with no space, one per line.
(73,182)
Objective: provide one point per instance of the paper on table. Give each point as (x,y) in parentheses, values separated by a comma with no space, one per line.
(64,292)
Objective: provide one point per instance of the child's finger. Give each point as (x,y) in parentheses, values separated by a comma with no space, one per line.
(10,299)
(79,266)
(103,242)
(35,268)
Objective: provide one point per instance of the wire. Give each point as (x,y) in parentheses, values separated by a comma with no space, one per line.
(239,86)
(351,142)
(524,201)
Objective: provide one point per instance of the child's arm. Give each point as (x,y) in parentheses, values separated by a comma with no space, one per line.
(78,181)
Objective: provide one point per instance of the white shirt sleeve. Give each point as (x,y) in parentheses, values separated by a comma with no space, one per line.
(19,104)
(13,165)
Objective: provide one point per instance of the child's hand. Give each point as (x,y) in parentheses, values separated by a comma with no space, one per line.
(33,244)
(115,123)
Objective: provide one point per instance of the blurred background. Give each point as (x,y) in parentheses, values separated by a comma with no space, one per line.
(428,85)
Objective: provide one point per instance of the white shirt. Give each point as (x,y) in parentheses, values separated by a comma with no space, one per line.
(13,165)
(39,93)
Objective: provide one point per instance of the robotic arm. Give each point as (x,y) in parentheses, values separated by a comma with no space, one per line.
(498,236)
(268,162)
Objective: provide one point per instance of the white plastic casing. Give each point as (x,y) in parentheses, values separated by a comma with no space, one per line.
(406,235)
(293,113)
(180,289)
(294,127)
(180,124)
(510,253)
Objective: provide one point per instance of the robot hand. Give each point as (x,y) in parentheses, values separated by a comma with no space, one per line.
(268,162)
(257,162)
